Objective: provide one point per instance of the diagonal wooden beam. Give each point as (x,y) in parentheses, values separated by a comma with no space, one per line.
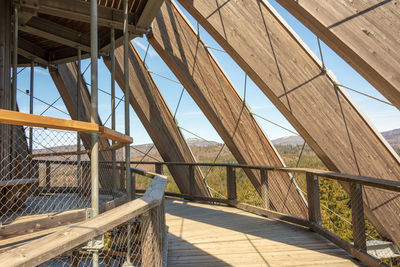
(262,43)
(149,105)
(187,56)
(65,79)
(364,33)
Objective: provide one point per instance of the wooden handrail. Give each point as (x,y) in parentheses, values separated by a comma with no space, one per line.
(25,119)
(55,244)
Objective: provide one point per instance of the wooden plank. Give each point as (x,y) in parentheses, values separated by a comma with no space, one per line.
(192,63)
(41,250)
(114,135)
(364,33)
(226,238)
(25,119)
(31,224)
(148,103)
(265,189)
(322,113)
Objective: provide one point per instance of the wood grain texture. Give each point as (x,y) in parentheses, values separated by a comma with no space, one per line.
(65,78)
(215,235)
(284,69)
(149,105)
(191,62)
(364,33)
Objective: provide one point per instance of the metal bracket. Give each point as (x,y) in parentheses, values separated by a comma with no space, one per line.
(89,213)
(95,244)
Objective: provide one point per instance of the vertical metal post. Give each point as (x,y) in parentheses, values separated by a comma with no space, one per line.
(127,129)
(31,87)
(126,82)
(112,56)
(93,118)
(78,103)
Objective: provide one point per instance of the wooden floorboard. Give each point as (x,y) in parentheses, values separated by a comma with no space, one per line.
(215,235)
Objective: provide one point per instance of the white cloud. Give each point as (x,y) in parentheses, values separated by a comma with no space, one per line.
(143,47)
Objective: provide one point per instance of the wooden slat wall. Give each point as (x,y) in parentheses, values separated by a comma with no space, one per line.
(364,33)
(65,79)
(277,61)
(186,55)
(149,105)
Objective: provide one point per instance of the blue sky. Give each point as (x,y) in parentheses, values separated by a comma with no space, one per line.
(189,116)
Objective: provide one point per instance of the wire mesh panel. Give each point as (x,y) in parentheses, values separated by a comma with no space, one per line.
(48,172)
(138,242)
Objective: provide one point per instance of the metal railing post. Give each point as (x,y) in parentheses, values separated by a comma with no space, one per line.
(113,156)
(78,101)
(231,182)
(94,119)
(357,216)
(314,208)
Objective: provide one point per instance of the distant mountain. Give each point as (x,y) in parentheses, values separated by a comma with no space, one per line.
(392,136)
(200,142)
(288,140)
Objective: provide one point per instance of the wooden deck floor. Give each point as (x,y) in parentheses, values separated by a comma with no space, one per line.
(214,235)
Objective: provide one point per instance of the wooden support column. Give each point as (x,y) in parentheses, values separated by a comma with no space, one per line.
(231,182)
(264,189)
(65,78)
(364,33)
(48,174)
(159,168)
(283,67)
(357,216)
(191,180)
(314,205)
(191,62)
(5,88)
(149,105)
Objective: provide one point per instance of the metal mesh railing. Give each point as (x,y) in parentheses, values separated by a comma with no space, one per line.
(49,171)
(138,242)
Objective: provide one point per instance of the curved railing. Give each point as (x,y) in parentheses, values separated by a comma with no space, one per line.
(146,242)
(355,185)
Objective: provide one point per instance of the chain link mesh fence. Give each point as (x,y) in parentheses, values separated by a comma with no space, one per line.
(48,171)
(140,242)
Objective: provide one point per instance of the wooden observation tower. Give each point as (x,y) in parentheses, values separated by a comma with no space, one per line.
(68,186)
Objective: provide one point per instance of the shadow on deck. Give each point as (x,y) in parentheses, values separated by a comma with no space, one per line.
(216,235)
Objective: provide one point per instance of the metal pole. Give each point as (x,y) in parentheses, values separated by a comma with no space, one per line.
(126,82)
(127,129)
(31,87)
(93,118)
(78,102)
(112,55)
